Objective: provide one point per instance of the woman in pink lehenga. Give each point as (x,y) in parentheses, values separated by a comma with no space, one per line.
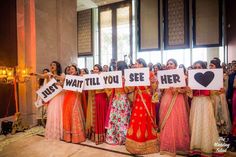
(174,124)
(53,128)
(73,116)
(54,113)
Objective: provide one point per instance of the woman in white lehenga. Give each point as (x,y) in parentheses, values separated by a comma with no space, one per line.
(54,127)
(204,134)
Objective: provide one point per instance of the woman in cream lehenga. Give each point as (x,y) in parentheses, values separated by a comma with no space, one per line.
(204,134)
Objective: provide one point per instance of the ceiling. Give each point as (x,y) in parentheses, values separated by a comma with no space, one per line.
(87,4)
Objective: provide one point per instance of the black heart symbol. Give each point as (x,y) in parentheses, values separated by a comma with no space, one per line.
(204,79)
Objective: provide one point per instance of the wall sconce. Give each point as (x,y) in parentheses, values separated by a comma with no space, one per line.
(22,74)
(10,74)
(14,75)
(3,74)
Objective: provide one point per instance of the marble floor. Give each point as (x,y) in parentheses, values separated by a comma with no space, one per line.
(38,146)
(35,145)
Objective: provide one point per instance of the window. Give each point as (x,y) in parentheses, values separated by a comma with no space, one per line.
(85,62)
(199,54)
(182,56)
(115,31)
(123,33)
(150,56)
(106,36)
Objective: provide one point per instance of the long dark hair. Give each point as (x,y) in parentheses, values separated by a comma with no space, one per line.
(141,61)
(41,80)
(216,63)
(77,69)
(172,60)
(86,70)
(158,65)
(65,71)
(98,66)
(217,59)
(122,65)
(184,68)
(203,65)
(58,67)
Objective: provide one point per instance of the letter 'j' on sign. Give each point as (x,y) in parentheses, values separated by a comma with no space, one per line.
(74,83)
(48,91)
(137,77)
(171,78)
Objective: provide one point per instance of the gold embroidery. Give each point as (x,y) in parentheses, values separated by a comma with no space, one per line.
(141,115)
(146,134)
(130,131)
(138,100)
(136,107)
(135,114)
(141,108)
(133,121)
(154,132)
(138,134)
(147,147)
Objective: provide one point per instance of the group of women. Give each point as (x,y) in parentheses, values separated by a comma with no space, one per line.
(144,118)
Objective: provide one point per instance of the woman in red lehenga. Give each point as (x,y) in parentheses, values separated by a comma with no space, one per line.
(84,101)
(142,136)
(73,116)
(97,110)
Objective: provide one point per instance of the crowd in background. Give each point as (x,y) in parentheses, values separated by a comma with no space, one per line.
(146,119)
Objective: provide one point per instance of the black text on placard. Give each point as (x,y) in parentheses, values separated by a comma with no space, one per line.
(111,79)
(169,79)
(48,91)
(136,77)
(74,83)
(92,81)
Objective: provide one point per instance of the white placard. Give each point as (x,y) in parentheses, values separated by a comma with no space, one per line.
(50,90)
(93,81)
(171,78)
(39,102)
(112,79)
(74,83)
(137,77)
(205,79)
